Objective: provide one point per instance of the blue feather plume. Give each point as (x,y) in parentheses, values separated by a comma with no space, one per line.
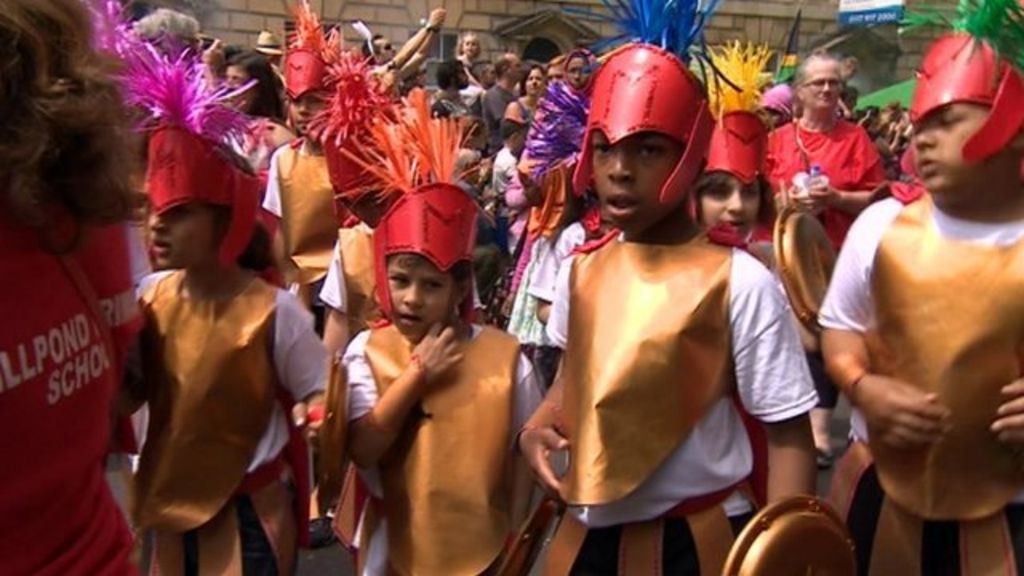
(673,25)
(556,135)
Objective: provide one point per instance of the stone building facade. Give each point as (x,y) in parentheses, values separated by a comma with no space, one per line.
(536,29)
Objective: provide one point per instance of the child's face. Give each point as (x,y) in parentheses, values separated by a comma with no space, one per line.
(421,295)
(628,178)
(731,203)
(939,140)
(184,236)
(303,109)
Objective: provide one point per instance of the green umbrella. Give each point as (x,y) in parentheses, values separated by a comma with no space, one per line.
(902,93)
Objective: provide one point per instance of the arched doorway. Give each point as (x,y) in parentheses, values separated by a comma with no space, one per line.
(541,50)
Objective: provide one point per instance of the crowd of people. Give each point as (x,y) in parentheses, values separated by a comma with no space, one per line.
(293,295)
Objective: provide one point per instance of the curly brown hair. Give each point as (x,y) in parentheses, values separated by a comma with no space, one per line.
(65,140)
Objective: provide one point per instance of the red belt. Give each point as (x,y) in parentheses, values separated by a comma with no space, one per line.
(692,506)
(261,477)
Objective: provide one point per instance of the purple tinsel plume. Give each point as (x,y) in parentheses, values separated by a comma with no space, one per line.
(175,92)
(111,31)
(556,136)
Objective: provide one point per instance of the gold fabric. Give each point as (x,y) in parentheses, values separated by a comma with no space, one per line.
(640,548)
(308,225)
(212,380)
(799,535)
(987,547)
(361,307)
(646,358)
(446,480)
(950,321)
(805,258)
(333,434)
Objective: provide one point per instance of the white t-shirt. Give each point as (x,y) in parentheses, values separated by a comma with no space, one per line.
(333,293)
(299,359)
(545,277)
(773,382)
(362,397)
(505,166)
(849,304)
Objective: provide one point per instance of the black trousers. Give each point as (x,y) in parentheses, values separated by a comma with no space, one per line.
(599,554)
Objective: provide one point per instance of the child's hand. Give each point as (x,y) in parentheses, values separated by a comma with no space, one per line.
(1009,423)
(437,352)
(536,446)
(898,414)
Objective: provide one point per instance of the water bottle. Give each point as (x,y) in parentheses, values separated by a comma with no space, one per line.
(816,177)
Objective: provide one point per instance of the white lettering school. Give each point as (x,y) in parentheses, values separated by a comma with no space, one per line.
(70,355)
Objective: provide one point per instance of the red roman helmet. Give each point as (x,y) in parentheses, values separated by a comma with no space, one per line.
(309,53)
(980,63)
(645,86)
(740,140)
(190,126)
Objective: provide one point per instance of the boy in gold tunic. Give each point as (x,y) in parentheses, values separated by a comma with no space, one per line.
(298,188)
(434,400)
(925,323)
(663,332)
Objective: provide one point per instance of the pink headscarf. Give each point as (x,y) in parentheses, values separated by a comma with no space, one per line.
(779,99)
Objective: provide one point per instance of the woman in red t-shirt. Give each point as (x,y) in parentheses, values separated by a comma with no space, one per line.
(65,298)
(843,152)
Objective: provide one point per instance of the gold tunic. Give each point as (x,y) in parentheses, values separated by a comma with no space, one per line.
(447,493)
(212,380)
(646,358)
(950,320)
(308,224)
(361,307)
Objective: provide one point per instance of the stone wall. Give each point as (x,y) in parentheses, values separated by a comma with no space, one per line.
(762,21)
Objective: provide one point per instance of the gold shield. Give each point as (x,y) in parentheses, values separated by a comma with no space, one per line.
(799,536)
(805,260)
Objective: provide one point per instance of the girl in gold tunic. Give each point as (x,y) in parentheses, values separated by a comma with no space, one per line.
(663,330)
(925,323)
(221,478)
(434,400)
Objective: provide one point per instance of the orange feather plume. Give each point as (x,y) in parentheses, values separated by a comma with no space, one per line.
(309,34)
(410,150)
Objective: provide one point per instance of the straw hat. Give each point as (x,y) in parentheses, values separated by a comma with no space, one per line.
(268,43)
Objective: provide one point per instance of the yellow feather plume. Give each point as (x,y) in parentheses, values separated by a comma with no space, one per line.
(743,66)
